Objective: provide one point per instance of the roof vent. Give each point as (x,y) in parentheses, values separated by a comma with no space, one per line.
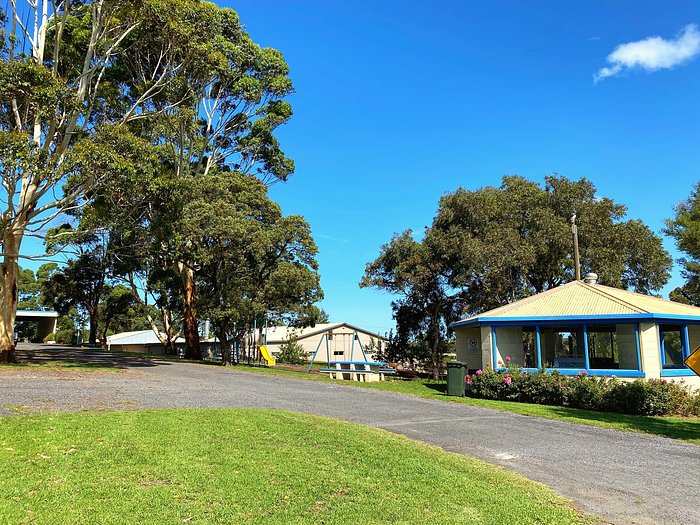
(591,278)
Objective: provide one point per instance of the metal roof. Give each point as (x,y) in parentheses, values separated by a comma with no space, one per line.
(580,300)
(37,313)
(140,337)
(279,334)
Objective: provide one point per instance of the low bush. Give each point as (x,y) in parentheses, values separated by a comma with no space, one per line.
(292,353)
(49,338)
(654,397)
(65,337)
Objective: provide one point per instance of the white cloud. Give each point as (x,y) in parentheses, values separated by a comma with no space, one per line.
(653,53)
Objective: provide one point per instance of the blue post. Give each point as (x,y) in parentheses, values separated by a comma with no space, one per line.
(639,348)
(538,344)
(494,349)
(585,348)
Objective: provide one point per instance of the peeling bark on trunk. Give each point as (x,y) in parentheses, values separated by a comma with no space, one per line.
(9,296)
(189,322)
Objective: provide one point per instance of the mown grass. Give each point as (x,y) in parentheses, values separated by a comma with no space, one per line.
(58,366)
(248,466)
(685,429)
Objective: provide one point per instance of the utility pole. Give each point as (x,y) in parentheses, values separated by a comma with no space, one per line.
(577,262)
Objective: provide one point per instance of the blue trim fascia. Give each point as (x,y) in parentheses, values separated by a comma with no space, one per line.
(556,319)
(598,372)
(677,372)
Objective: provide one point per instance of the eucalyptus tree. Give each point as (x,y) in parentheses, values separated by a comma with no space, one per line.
(506,243)
(251,261)
(71,73)
(417,273)
(491,246)
(234,105)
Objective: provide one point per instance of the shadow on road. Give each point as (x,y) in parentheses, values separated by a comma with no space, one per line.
(73,357)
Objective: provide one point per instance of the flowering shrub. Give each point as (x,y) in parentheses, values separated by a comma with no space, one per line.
(640,397)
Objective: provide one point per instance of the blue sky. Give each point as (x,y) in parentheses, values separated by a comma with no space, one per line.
(399,102)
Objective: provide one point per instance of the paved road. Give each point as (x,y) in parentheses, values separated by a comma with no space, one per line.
(623,477)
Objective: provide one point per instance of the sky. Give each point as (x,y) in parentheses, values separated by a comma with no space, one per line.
(398,102)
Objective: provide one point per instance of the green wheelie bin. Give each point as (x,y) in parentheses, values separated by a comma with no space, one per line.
(456,374)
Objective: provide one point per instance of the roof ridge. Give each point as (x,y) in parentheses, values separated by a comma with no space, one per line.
(607,295)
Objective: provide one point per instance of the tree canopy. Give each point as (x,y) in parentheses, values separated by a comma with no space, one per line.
(491,246)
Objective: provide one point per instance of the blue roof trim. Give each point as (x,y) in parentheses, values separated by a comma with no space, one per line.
(579,318)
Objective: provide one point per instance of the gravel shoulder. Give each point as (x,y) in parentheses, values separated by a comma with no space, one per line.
(623,477)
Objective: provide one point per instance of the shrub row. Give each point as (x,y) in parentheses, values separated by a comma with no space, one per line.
(653,397)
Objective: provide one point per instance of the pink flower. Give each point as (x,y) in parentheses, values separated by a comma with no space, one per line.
(468,380)
(488,365)
(479,372)
(507,359)
(500,363)
(507,380)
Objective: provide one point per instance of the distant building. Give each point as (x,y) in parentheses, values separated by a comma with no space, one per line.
(339,340)
(142,341)
(46,321)
(586,327)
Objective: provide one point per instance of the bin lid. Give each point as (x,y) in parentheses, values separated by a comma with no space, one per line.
(455,364)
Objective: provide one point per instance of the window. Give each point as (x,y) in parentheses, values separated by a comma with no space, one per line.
(517,345)
(612,346)
(562,347)
(529,347)
(672,343)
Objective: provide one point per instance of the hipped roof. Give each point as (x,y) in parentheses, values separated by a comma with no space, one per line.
(579,300)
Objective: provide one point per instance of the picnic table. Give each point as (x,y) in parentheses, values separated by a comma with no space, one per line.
(358,370)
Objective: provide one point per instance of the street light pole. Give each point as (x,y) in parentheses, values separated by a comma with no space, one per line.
(577,262)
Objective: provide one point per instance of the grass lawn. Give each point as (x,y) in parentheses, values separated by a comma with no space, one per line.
(58,366)
(686,429)
(248,466)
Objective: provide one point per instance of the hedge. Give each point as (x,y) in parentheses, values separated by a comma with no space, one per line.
(652,397)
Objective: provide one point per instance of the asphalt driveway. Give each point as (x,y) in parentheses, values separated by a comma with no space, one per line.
(623,477)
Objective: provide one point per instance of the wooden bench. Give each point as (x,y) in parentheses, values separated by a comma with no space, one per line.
(356,370)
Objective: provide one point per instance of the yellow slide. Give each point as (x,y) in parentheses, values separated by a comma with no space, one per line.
(266,355)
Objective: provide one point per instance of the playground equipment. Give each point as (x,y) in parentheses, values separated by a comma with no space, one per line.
(271,361)
(327,338)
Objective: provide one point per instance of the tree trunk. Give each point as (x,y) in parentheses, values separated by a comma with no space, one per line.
(189,322)
(8,295)
(92,339)
(435,353)
(222,335)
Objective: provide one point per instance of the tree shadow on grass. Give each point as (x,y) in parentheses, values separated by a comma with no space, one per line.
(687,429)
(438,386)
